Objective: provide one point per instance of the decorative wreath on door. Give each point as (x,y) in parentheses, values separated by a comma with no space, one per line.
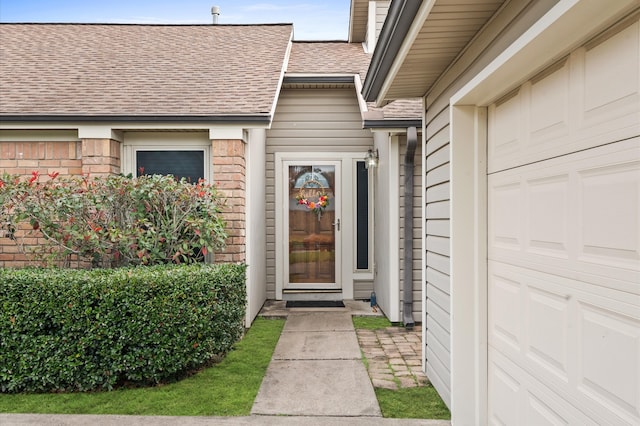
(313,196)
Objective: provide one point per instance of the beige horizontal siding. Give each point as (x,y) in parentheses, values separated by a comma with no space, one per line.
(362,289)
(311,120)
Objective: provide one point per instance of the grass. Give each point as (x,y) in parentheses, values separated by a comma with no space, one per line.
(412,403)
(371,323)
(404,403)
(225,389)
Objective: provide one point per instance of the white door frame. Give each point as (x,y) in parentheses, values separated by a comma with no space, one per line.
(557,33)
(346,273)
(337,206)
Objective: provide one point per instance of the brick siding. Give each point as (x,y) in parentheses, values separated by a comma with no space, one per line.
(229,174)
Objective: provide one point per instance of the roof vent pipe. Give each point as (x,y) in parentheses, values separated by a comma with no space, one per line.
(215,14)
(407,285)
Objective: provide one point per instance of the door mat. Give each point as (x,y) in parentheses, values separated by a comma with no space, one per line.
(315,304)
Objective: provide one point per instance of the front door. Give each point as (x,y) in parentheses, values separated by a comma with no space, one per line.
(312,225)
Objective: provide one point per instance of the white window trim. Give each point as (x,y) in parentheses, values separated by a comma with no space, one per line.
(165,141)
(362,274)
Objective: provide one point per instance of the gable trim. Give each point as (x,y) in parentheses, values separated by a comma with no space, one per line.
(327,79)
(398,24)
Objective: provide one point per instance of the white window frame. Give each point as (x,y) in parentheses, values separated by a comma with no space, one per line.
(362,274)
(165,141)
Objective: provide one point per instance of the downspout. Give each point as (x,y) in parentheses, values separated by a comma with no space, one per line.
(407,284)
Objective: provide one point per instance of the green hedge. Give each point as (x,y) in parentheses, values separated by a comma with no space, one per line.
(78,330)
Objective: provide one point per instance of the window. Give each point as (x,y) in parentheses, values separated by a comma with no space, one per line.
(182,154)
(362,216)
(181,164)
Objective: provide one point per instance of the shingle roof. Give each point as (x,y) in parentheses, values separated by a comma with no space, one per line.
(320,58)
(328,58)
(138,70)
(402,109)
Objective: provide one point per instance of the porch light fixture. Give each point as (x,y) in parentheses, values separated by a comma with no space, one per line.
(371,160)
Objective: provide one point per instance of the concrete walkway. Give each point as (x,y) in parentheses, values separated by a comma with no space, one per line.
(317,370)
(316,377)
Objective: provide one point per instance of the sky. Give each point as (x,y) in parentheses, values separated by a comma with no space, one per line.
(312,19)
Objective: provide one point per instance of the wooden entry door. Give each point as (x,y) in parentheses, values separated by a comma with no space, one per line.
(312,224)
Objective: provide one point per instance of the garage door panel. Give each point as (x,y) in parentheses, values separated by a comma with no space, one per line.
(547,323)
(522,399)
(588,99)
(506,213)
(548,216)
(582,341)
(505,389)
(505,141)
(529,320)
(611,91)
(505,324)
(548,114)
(610,202)
(577,215)
(610,365)
(563,239)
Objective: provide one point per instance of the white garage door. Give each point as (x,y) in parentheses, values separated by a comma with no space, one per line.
(564,241)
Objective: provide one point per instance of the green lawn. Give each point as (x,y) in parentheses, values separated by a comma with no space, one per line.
(412,403)
(371,323)
(225,389)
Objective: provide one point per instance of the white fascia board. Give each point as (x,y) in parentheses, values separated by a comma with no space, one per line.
(559,31)
(283,71)
(226,132)
(370,36)
(357,81)
(401,56)
(98,132)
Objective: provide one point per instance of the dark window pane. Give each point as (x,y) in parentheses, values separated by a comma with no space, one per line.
(362,216)
(181,164)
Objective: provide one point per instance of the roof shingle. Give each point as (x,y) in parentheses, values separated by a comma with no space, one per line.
(138,70)
(328,58)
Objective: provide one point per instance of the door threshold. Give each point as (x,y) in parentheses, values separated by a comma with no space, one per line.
(312,295)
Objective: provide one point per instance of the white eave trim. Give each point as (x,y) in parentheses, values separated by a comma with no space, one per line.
(283,71)
(554,35)
(403,52)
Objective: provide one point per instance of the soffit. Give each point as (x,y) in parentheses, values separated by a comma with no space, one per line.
(358,20)
(448,28)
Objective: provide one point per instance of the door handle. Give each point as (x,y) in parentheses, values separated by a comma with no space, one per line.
(337,224)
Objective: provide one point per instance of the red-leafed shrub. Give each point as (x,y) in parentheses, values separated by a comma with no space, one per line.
(113,221)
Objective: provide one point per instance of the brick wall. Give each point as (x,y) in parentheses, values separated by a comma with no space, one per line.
(229,174)
(100,157)
(46,157)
